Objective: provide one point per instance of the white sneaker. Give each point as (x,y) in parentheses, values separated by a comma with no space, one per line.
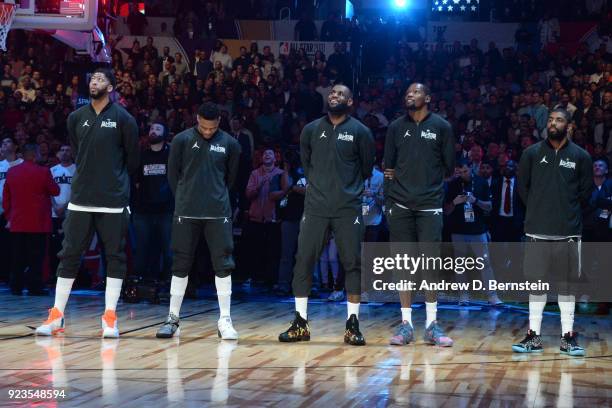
(225,328)
(109,324)
(336,296)
(53,325)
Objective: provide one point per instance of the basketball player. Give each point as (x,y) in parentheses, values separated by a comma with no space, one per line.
(338,154)
(202,166)
(555,181)
(419,154)
(104,141)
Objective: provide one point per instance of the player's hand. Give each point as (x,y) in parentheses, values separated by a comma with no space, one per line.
(389,174)
(460,199)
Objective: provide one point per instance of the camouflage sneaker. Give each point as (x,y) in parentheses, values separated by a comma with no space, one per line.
(298,331)
(569,345)
(352,335)
(532,343)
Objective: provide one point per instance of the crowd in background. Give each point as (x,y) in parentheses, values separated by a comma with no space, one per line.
(497,101)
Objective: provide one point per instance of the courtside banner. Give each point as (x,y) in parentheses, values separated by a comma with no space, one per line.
(479,270)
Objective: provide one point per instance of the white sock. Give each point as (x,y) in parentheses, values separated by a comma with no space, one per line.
(178,286)
(224,294)
(62,291)
(567,305)
(113,291)
(352,309)
(301,306)
(431,310)
(407,314)
(536,309)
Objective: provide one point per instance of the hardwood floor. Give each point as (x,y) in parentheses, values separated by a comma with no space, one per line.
(139,370)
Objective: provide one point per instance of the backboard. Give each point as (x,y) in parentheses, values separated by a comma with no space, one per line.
(74,15)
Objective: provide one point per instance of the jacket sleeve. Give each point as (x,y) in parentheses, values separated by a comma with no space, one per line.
(305,149)
(175,162)
(448,149)
(390,155)
(586,181)
(129,132)
(51,186)
(524,176)
(233,163)
(72,137)
(367,151)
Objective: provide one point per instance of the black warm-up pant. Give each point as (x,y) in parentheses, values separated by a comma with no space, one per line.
(348,233)
(186,233)
(79,228)
(27,250)
(406,225)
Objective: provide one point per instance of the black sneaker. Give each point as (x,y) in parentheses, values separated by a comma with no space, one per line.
(352,335)
(532,343)
(298,331)
(569,345)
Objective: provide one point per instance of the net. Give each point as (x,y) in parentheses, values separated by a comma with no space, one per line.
(7,13)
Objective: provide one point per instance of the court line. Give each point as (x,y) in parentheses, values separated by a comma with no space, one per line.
(319,367)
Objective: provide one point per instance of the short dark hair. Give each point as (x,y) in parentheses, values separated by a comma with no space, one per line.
(30,148)
(209,111)
(108,73)
(563,112)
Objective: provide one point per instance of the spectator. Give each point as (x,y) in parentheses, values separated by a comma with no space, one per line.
(27,208)
(151,49)
(8,151)
(153,205)
(267,185)
(291,209)
(203,66)
(136,20)
(62,176)
(223,57)
(467,199)
(305,29)
(181,67)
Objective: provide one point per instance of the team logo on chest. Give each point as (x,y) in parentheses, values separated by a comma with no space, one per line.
(108,124)
(428,134)
(567,164)
(86,124)
(217,148)
(407,134)
(346,137)
(323,135)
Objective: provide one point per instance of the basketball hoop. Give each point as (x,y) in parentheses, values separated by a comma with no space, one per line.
(7,14)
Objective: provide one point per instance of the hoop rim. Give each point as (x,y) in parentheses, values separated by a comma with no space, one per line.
(6,17)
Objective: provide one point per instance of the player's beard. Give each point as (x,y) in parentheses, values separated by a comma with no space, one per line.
(99,94)
(557,135)
(339,109)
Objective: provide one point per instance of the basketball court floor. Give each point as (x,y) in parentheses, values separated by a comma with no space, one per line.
(198,369)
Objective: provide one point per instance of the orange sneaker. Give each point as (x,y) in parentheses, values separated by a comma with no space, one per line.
(53,325)
(109,324)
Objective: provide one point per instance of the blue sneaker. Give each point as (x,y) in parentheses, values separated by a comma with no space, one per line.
(434,335)
(569,345)
(404,334)
(532,343)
